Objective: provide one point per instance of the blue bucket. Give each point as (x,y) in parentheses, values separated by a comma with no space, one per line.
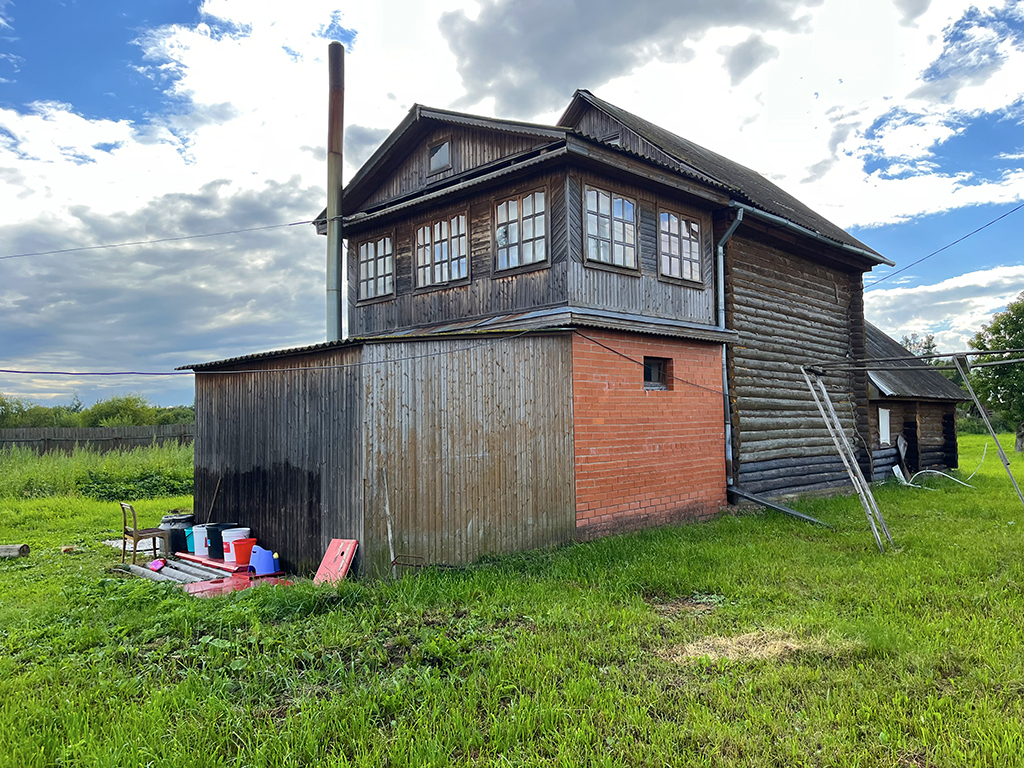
(190,542)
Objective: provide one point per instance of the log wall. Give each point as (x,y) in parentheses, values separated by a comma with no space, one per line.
(789,311)
(930,431)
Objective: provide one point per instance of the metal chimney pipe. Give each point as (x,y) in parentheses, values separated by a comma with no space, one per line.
(337,306)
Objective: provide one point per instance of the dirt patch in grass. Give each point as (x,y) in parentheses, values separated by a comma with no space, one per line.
(686,605)
(749,647)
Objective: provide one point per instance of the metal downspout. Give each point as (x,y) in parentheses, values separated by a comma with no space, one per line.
(720,291)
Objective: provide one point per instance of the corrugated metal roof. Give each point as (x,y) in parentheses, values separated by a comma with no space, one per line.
(917,382)
(742,181)
(549,319)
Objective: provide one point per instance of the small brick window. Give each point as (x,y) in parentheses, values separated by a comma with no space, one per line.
(656,372)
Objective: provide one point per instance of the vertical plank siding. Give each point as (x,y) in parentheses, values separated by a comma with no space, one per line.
(643,291)
(469,148)
(788,311)
(100,439)
(475,457)
(486,292)
(283,443)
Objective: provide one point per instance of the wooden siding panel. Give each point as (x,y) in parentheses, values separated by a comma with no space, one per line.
(788,311)
(486,293)
(475,457)
(282,444)
(641,292)
(470,148)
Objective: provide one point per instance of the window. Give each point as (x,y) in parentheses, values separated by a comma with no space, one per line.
(611,228)
(884,435)
(679,247)
(376,268)
(656,372)
(441,251)
(440,156)
(520,233)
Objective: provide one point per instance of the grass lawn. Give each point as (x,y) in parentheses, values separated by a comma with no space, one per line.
(752,640)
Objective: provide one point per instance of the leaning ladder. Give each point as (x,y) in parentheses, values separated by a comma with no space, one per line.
(835,429)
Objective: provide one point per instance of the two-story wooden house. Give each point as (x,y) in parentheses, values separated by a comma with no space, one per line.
(555,332)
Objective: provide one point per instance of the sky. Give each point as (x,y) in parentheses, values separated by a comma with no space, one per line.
(126,121)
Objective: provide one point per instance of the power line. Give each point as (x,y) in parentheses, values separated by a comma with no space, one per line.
(945,247)
(153,242)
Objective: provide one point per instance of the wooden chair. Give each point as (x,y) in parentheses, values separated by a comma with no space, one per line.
(136,534)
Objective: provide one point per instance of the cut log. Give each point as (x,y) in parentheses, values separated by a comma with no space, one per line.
(14,550)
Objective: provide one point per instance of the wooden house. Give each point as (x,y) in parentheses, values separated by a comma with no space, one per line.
(908,399)
(555,332)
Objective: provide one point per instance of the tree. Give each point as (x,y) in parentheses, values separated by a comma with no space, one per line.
(1001,387)
(119,411)
(920,345)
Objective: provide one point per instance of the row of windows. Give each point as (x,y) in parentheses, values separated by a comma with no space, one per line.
(520,239)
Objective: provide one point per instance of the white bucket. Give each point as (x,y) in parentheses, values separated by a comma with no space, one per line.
(229,536)
(200,541)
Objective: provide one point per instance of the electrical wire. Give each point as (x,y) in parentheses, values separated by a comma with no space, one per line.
(945,247)
(153,242)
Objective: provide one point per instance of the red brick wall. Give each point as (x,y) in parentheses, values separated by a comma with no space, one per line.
(646,457)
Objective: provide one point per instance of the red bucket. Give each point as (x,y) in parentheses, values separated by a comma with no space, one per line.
(243,550)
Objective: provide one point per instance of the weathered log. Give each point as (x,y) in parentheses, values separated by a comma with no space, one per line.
(14,550)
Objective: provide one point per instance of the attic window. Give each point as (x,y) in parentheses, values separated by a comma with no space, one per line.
(440,157)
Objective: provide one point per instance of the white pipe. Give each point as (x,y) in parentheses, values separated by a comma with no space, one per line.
(720,290)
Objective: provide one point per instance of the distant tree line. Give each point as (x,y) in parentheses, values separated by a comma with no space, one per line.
(133,410)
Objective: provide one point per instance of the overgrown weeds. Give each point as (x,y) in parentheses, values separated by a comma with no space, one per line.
(754,640)
(140,473)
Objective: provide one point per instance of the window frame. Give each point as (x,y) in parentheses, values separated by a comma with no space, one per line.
(683,217)
(431,171)
(612,193)
(885,438)
(546,237)
(390,235)
(430,224)
(664,366)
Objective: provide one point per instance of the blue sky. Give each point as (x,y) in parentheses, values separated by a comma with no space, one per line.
(121,121)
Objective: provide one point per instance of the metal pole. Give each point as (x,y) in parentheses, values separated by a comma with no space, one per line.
(962,366)
(336,309)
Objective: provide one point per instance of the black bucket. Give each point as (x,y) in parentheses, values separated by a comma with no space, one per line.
(176,525)
(214,533)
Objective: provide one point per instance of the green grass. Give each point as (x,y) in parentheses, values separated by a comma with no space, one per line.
(140,473)
(561,657)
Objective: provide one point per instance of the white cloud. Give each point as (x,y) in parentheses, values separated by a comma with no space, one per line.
(954,309)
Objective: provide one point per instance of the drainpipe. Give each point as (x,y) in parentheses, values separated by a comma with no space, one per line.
(720,290)
(337,314)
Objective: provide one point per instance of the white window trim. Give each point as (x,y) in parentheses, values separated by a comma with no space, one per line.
(375,262)
(884,428)
(536,221)
(611,240)
(435,237)
(696,259)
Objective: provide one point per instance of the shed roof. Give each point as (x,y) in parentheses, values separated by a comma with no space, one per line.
(917,381)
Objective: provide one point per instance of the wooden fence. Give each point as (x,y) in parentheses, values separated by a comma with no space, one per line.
(103,439)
